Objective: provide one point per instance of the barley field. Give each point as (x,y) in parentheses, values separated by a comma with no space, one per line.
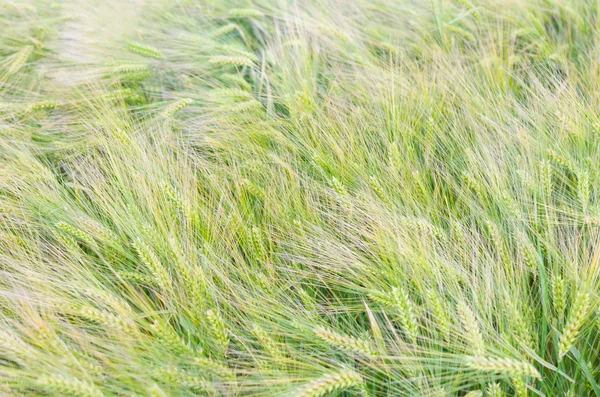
(300,198)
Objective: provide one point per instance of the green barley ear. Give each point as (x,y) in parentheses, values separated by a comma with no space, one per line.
(136,76)
(91,365)
(439,312)
(522,328)
(152,263)
(460,32)
(258,244)
(591,220)
(173,196)
(196,286)
(471,327)
(197,384)
(519,324)
(217,328)
(128,71)
(559,296)
(18,59)
(102,233)
(387,46)
(329,383)
(520,387)
(251,107)
(577,316)
(237,79)
(109,300)
(224,30)
(129,68)
(168,374)
(245,12)
(563,162)
(14,348)
(263,282)
(475,186)
(232,94)
(267,342)
(335,32)
(503,366)
(236,50)
(338,186)
(192,280)
(345,342)
(530,257)
(379,190)
(308,301)
(105,319)
(466,4)
(425,227)
(458,232)
(583,188)
(399,300)
(384,299)
(66,386)
(422,191)
(118,95)
(474,393)
(181,378)
(137,277)
(511,205)
(231,60)
(437,391)
(496,238)
(494,390)
(42,105)
(175,107)
(66,240)
(171,339)
(252,188)
(546,177)
(145,50)
(341,192)
(214,367)
(394,158)
(408,319)
(77,233)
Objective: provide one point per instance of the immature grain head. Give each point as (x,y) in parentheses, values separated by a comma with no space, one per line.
(145,50)
(231,60)
(67,386)
(217,328)
(495,390)
(503,366)
(344,342)
(577,316)
(170,338)
(329,383)
(471,327)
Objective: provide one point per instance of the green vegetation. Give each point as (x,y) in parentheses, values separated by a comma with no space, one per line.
(300,198)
